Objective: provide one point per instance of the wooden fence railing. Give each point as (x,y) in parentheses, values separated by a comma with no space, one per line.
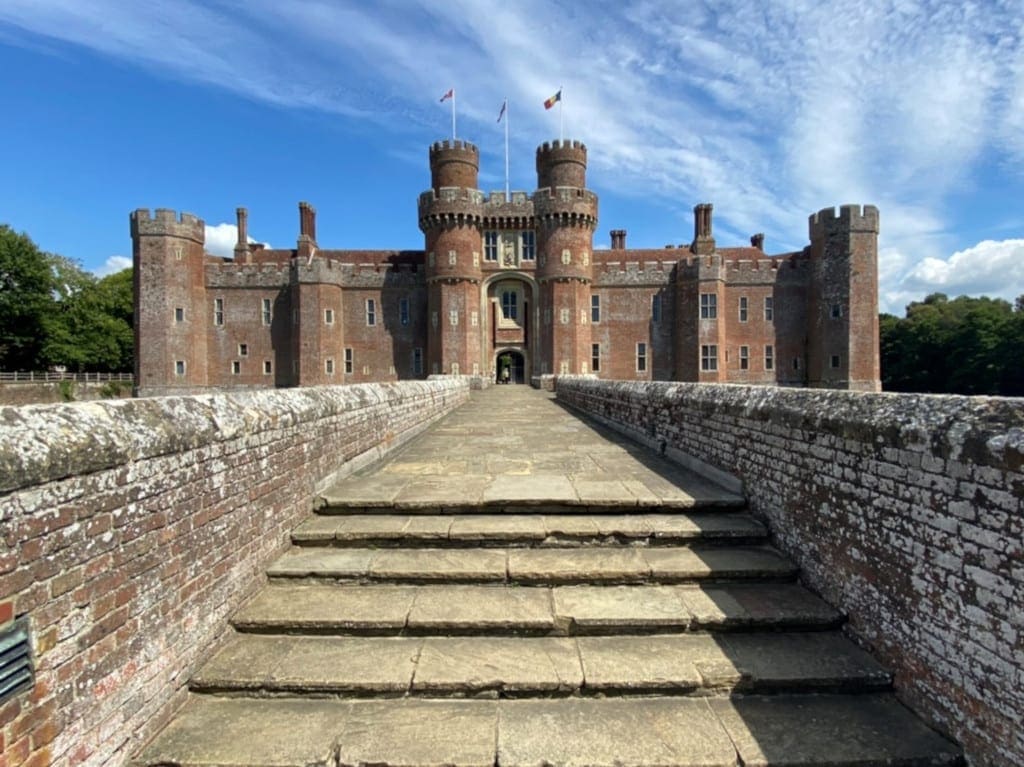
(50,375)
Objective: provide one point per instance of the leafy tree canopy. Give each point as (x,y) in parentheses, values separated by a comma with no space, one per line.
(26,300)
(962,345)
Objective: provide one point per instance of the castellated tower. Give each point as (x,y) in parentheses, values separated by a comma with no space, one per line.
(451,217)
(842,307)
(171,311)
(566,216)
(315,293)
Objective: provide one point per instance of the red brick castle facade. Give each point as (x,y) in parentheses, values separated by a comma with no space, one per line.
(513,277)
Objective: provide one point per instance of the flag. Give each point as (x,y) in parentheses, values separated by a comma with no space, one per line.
(449,95)
(504,105)
(553,100)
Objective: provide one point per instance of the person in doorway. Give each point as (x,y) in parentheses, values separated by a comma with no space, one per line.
(504,375)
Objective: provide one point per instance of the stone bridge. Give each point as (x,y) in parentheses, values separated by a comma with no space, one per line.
(414,574)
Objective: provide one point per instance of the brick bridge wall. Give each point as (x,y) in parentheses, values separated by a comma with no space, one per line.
(905,511)
(130,530)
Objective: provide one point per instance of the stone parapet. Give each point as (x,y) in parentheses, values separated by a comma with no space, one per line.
(134,528)
(902,510)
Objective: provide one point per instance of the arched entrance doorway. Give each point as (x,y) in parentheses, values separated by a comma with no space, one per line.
(514,362)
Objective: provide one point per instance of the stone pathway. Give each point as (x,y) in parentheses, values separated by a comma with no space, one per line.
(519,587)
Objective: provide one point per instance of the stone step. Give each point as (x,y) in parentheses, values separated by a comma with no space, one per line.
(661,564)
(328,608)
(776,731)
(526,529)
(419,487)
(676,664)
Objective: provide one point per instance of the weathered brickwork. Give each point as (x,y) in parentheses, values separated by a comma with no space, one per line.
(130,531)
(905,511)
(507,275)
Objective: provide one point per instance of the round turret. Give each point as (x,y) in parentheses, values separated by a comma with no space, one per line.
(454,164)
(561,163)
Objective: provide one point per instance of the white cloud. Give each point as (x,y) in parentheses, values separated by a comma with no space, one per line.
(222,238)
(113,265)
(993,268)
(771,110)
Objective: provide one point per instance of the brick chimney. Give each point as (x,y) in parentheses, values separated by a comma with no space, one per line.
(618,239)
(703,239)
(242,252)
(757,240)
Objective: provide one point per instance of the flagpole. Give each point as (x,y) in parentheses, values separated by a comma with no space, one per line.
(561,115)
(507,192)
(453,114)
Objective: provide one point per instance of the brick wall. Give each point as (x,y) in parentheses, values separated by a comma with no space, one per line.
(905,511)
(130,530)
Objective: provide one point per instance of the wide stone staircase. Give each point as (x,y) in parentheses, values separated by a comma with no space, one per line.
(589,605)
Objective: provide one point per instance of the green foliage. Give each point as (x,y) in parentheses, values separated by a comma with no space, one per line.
(114,389)
(93,329)
(54,313)
(67,390)
(962,346)
(26,301)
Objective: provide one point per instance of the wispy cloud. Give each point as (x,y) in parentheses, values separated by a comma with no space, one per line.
(113,265)
(771,110)
(222,238)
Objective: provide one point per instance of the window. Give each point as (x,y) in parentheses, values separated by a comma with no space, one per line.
(403,311)
(769,357)
(329,366)
(835,360)
(709,357)
(179,314)
(490,246)
(179,367)
(708,306)
(243,350)
(236,367)
(417,361)
(837,311)
(769,309)
(529,242)
(218,311)
(371,312)
(595,357)
(595,308)
(348,360)
(268,367)
(266,311)
(744,358)
(656,307)
(509,305)
(743,308)
(641,357)
(796,363)
(328,316)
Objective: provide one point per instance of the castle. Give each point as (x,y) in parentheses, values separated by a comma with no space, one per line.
(510,277)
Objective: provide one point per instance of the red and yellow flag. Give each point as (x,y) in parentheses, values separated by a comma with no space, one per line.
(553,100)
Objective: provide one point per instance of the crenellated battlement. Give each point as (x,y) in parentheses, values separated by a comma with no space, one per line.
(565,206)
(633,273)
(165,222)
(561,163)
(454,164)
(458,145)
(849,217)
(552,146)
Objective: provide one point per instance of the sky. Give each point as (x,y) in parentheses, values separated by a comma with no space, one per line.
(769,109)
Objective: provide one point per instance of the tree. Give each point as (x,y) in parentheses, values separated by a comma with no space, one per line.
(26,301)
(93,329)
(965,346)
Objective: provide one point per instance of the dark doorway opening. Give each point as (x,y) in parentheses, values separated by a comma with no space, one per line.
(511,367)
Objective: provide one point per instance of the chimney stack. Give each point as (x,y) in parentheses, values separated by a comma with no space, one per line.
(242,245)
(618,239)
(757,241)
(703,239)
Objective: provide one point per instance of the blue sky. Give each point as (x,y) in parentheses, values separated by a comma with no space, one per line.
(768,110)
